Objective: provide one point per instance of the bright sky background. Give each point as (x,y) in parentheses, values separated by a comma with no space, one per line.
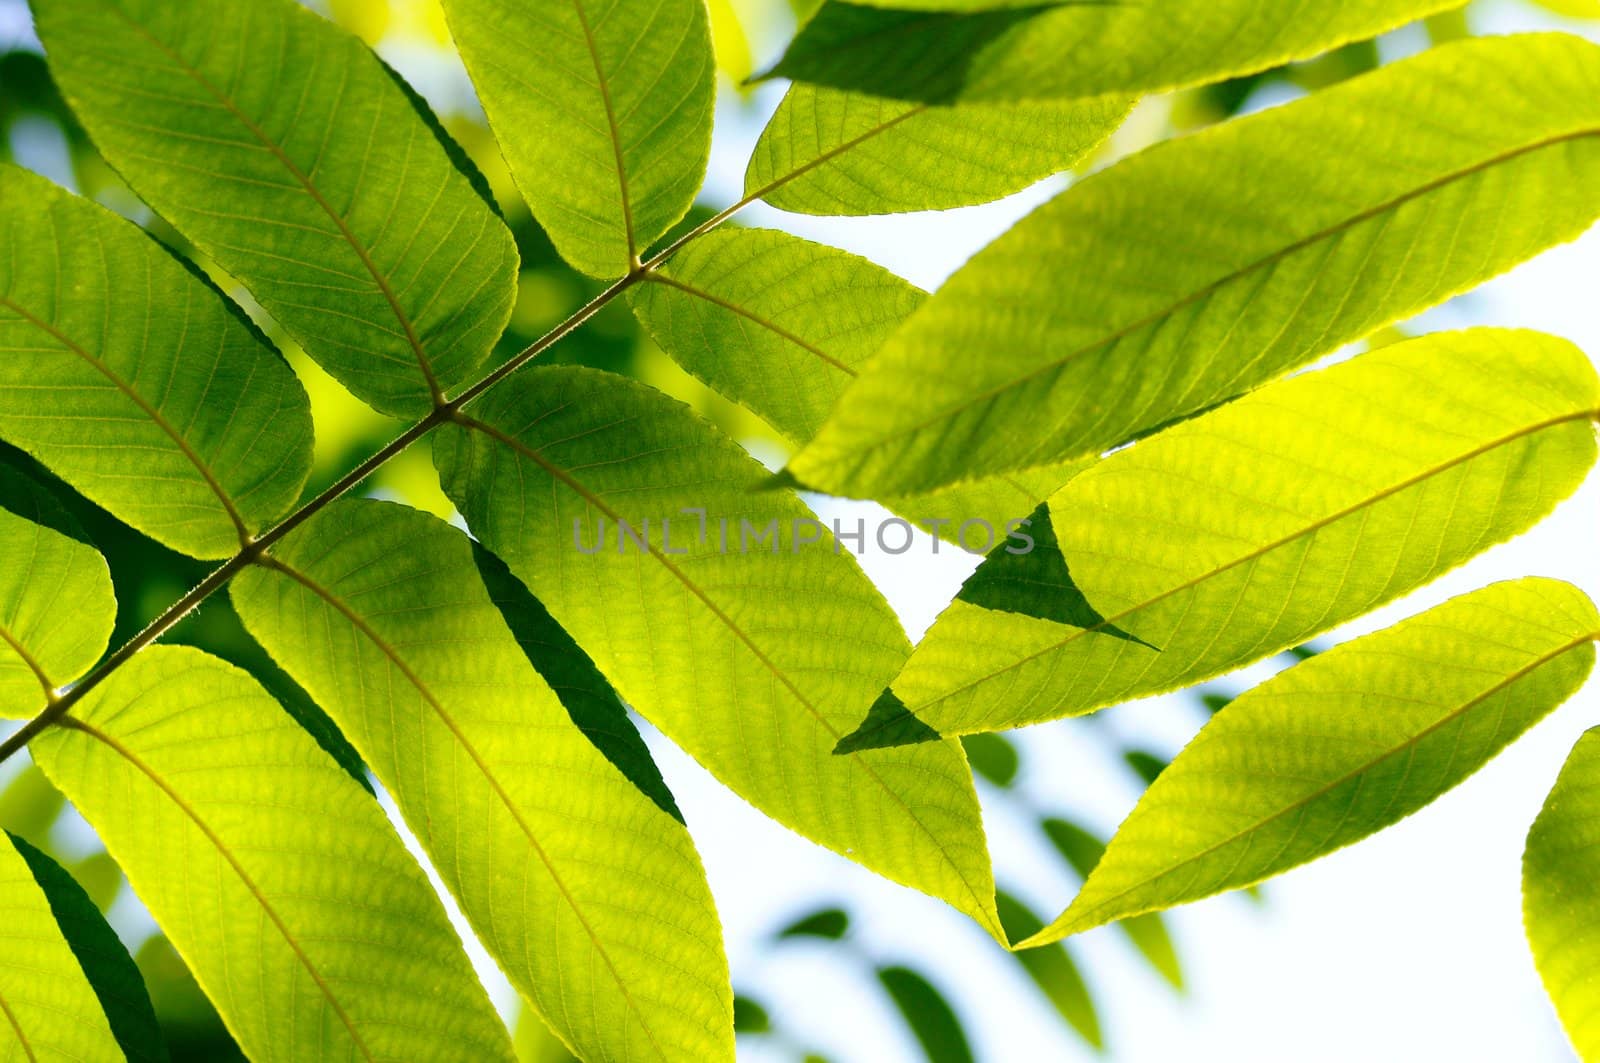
(1406,947)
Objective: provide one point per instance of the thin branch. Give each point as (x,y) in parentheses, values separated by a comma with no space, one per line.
(256,548)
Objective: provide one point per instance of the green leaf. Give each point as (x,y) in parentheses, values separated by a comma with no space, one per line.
(591,703)
(275,875)
(755,661)
(782,326)
(994,757)
(606,125)
(1053,970)
(950,50)
(56,613)
(1341,746)
(750,1016)
(1148,933)
(829,924)
(135,381)
(829,151)
(932,1020)
(1034,580)
(48,1009)
(1239,534)
(1197,270)
(778,324)
(1561,894)
(292,156)
(589,895)
(111,972)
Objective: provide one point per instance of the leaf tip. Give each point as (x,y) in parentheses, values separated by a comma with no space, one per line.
(888,723)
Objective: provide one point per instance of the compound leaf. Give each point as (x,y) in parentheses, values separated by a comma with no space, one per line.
(291,155)
(607,127)
(739,631)
(1247,531)
(48,1009)
(274,874)
(1561,894)
(590,896)
(135,381)
(1341,746)
(1197,270)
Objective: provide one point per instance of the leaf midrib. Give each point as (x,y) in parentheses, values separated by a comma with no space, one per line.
(1204,292)
(784,334)
(149,410)
(600,504)
(28,659)
(604,85)
(360,623)
(1307,800)
(16,1026)
(277,151)
(1308,529)
(750,315)
(76,724)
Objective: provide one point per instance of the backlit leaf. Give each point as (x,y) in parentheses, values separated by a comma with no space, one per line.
(606,125)
(291,155)
(1343,745)
(589,895)
(947,50)
(782,326)
(1206,266)
(830,151)
(136,382)
(741,633)
(275,875)
(1247,531)
(48,1010)
(56,612)
(102,957)
(1561,894)
(778,324)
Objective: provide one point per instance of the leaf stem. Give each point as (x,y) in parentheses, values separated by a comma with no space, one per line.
(256,548)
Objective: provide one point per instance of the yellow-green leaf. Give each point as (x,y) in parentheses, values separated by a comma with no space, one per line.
(830,151)
(754,657)
(48,1010)
(135,381)
(1249,530)
(56,611)
(274,873)
(105,962)
(1341,746)
(291,155)
(603,111)
(1561,894)
(779,324)
(1197,270)
(782,326)
(589,895)
(949,50)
